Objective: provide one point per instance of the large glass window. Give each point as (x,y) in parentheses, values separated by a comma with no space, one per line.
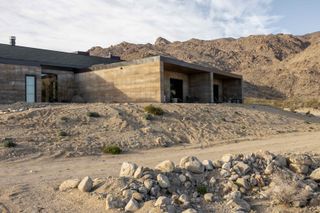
(30,89)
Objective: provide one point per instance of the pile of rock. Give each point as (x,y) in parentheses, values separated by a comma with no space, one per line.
(195,186)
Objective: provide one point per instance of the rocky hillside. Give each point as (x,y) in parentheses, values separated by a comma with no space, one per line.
(274,66)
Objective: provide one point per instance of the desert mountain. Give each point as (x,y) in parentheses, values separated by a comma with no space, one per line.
(273,66)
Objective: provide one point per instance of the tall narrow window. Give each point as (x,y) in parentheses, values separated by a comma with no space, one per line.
(30,89)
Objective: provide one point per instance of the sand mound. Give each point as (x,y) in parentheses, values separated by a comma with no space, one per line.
(68,130)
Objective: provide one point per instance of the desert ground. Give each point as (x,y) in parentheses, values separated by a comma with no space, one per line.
(31,172)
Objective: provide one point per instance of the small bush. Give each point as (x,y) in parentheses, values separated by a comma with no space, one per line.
(63,134)
(287,192)
(112,149)
(202,189)
(153,110)
(64,118)
(93,114)
(8,143)
(148,116)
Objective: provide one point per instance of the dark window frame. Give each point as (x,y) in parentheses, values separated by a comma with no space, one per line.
(35,87)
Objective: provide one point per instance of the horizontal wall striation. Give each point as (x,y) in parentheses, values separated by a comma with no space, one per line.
(201,87)
(132,83)
(232,89)
(65,84)
(12,82)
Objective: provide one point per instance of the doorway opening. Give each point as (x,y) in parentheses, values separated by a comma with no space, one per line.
(216,93)
(49,88)
(176,90)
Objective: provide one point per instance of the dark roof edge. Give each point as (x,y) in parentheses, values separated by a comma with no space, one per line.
(56,51)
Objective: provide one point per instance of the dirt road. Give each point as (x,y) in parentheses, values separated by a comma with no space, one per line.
(60,169)
(28,186)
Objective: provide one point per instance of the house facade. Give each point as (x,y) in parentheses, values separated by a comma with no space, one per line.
(37,75)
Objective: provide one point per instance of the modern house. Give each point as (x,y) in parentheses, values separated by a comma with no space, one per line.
(38,75)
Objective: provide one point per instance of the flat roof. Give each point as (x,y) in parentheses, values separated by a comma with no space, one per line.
(41,57)
(167,60)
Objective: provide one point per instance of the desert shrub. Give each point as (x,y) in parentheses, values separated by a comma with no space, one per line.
(153,110)
(8,143)
(93,114)
(285,191)
(202,189)
(63,134)
(111,149)
(64,118)
(148,116)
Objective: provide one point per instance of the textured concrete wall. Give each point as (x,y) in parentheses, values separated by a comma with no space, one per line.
(175,75)
(232,89)
(65,84)
(12,82)
(132,83)
(200,86)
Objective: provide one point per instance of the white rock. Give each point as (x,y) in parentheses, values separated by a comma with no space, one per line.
(163,181)
(243,167)
(208,165)
(86,184)
(111,202)
(190,211)
(165,166)
(127,169)
(208,197)
(239,205)
(226,166)
(138,173)
(184,199)
(162,201)
(227,158)
(299,168)
(69,184)
(315,175)
(132,206)
(212,181)
(301,159)
(182,178)
(148,183)
(192,164)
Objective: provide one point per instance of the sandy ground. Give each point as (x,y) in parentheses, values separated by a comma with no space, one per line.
(37,129)
(31,185)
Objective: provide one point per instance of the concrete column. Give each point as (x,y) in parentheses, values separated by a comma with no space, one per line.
(162,86)
(211,86)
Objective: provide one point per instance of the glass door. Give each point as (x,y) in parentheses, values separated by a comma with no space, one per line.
(30,89)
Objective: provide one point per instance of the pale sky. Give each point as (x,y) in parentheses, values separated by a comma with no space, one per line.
(71,25)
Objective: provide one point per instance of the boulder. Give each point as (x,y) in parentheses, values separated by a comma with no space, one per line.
(243,167)
(243,183)
(163,181)
(227,158)
(192,164)
(138,173)
(86,184)
(208,197)
(111,202)
(300,159)
(226,166)
(182,178)
(208,165)
(299,168)
(165,166)
(266,155)
(315,175)
(239,205)
(190,211)
(132,206)
(69,184)
(148,184)
(127,169)
(162,201)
